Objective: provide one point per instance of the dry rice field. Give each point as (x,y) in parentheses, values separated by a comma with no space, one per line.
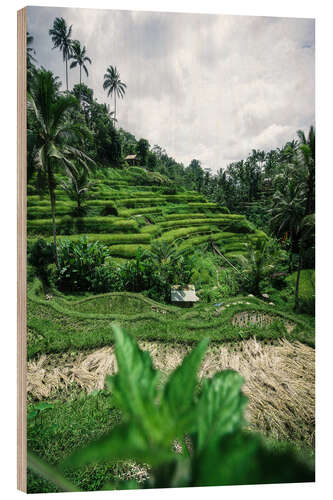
(279,379)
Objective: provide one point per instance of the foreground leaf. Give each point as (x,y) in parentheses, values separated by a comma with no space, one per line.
(240,459)
(126,441)
(135,386)
(181,387)
(220,408)
(50,473)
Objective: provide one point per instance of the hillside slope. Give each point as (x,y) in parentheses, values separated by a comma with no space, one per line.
(131,208)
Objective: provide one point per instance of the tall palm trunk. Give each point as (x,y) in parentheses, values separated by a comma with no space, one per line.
(51,184)
(66,59)
(80,89)
(296,306)
(115,110)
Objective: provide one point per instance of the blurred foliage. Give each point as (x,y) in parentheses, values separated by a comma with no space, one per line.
(190,434)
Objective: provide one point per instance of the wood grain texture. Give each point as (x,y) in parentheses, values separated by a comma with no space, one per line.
(21,250)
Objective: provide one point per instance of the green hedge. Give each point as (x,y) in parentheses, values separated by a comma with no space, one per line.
(157,200)
(72,225)
(126,251)
(174,234)
(129,212)
(239,224)
(106,239)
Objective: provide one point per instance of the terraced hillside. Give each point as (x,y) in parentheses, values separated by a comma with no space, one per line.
(70,340)
(132,208)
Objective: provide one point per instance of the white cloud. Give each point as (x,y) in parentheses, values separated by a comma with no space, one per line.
(201,86)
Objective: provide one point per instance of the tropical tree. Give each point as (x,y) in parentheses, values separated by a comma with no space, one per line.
(30,58)
(53,134)
(114,85)
(61,38)
(142,149)
(77,187)
(258,263)
(288,211)
(79,59)
(164,253)
(30,51)
(308,156)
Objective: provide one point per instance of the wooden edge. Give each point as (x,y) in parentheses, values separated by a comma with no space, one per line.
(21,250)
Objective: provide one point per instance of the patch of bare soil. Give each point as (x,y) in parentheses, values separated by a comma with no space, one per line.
(279,379)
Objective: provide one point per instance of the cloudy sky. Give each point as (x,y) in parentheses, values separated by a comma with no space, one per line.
(201,86)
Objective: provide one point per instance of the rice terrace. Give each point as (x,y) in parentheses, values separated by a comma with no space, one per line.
(121,373)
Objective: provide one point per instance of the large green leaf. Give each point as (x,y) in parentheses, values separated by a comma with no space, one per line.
(135,386)
(126,441)
(50,473)
(241,458)
(136,383)
(220,408)
(180,390)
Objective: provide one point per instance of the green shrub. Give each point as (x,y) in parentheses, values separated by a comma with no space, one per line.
(44,211)
(107,278)
(109,209)
(126,251)
(106,239)
(83,225)
(77,263)
(40,255)
(106,225)
(67,224)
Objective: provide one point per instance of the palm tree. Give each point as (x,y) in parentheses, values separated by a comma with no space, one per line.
(114,85)
(79,58)
(52,134)
(258,263)
(30,59)
(61,38)
(77,187)
(288,210)
(164,253)
(308,155)
(30,51)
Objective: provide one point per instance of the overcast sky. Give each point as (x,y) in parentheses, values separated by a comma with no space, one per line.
(200,86)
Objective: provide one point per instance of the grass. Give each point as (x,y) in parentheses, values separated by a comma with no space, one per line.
(68,426)
(58,325)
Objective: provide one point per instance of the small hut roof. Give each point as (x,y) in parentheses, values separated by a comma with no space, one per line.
(130,157)
(183,294)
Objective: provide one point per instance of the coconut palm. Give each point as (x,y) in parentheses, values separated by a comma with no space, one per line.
(258,263)
(30,51)
(114,85)
(52,134)
(164,253)
(77,187)
(30,59)
(308,157)
(61,38)
(288,210)
(79,59)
